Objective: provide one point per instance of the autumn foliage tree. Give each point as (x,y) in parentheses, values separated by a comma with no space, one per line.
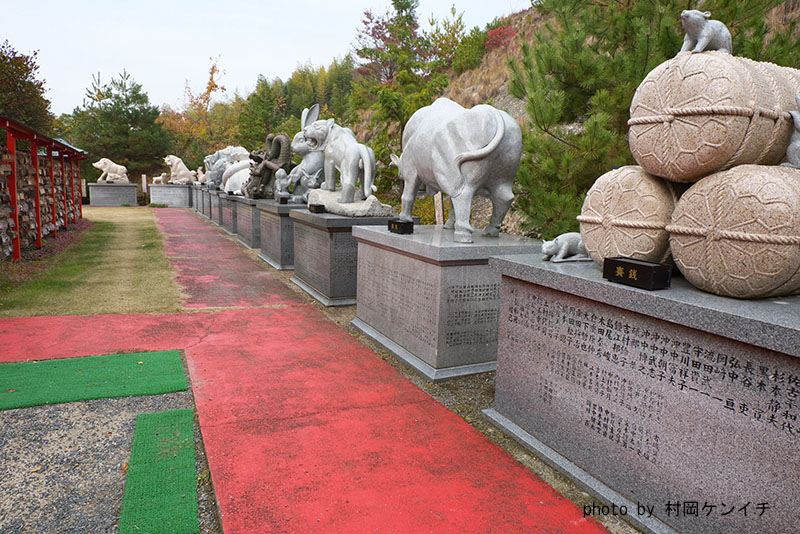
(398,75)
(203,126)
(21,93)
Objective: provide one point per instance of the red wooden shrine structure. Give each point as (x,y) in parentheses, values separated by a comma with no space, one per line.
(57,203)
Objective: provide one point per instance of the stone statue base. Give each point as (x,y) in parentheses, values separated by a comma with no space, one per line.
(325,254)
(430,301)
(371,207)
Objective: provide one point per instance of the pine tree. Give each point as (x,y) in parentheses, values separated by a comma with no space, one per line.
(578,77)
(118,122)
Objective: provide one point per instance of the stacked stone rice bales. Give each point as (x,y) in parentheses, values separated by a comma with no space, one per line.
(734,233)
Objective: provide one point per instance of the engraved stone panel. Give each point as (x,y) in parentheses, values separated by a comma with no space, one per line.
(313,262)
(228,213)
(702,427)
(435,299)
(399,297)
(326,254)
(277,233)
(173,195)
(248,223)
(215,207)
(109,195)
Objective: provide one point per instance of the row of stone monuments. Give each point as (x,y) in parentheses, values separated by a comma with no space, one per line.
(649,400)
(678,406)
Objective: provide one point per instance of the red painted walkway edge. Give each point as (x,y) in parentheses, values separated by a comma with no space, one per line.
(307,430)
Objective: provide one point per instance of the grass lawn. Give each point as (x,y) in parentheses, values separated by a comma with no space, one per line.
(117,266)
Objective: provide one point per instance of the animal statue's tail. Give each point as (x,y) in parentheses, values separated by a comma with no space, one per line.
(369,171)
(481,153)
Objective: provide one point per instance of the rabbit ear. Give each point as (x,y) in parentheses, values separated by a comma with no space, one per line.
(313,115)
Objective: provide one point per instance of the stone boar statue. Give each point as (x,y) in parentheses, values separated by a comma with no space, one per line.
(461,152)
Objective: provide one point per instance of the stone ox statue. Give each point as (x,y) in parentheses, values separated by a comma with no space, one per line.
(112,173)
(461,152)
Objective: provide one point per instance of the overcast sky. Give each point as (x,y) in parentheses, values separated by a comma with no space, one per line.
(163,44)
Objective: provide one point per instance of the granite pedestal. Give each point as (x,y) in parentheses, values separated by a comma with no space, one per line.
(216,207)
(430,301)
(325,256)
(207,202)
(673,399)
(173,195)
(228,212)
(109,195)
(196,198)
(248,222)
(277,233)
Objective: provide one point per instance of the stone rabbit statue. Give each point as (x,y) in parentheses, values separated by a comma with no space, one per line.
(309,174)
(793,151)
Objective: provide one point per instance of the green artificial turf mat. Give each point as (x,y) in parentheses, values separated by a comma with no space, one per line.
(161,490)
(93,377)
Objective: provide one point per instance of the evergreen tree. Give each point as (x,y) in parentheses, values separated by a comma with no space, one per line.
(21,94)
(117,121)
(398,75)
(578,77)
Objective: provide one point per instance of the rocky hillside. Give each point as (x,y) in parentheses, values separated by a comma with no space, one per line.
(488,84)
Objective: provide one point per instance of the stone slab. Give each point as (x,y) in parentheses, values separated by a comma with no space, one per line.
(110,195)
(173,195)
(647,394)
(435,299)
(197,198)
(277,233)
(228,212)
(770,323)
(248,222)
(216,207)
(326,255)
(207,202)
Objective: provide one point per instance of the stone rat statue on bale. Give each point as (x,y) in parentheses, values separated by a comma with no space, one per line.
(566,247)
(793,150)
(703,34)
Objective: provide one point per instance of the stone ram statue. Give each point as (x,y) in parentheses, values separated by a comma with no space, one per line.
(461,152)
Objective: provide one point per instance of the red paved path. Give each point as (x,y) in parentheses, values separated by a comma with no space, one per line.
(307,430)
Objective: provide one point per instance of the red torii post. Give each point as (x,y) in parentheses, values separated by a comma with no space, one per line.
(80,188)
(54,210)
(35,161)
(71,158)
(64,187)
(11,142)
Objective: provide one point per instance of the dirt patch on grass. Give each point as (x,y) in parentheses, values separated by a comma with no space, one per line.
(118,266)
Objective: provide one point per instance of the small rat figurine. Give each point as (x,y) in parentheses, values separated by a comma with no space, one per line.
(566,247)
(703,34)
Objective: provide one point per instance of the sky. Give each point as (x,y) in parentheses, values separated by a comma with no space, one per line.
(166,44)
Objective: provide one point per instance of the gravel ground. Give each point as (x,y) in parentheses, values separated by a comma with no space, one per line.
(63,466)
